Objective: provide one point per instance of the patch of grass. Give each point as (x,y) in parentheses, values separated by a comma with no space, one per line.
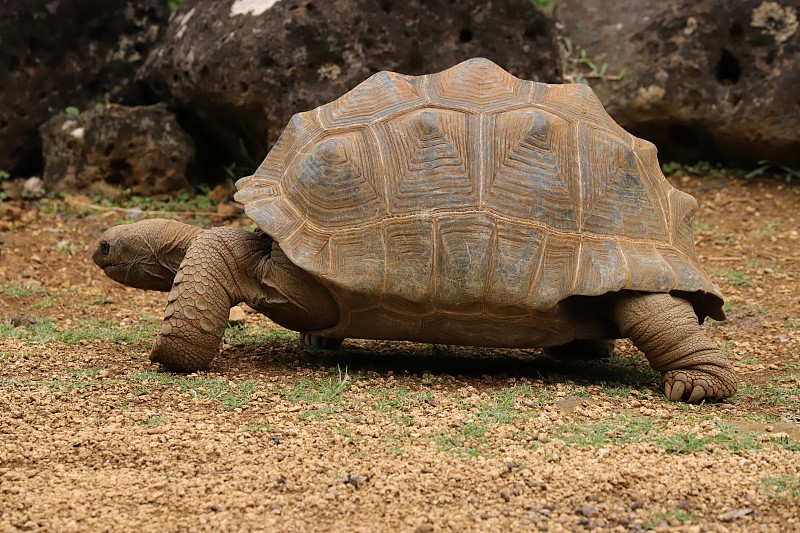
(681,515)
(152,420)
(184,202)
(792,324)
(617,430)
(101,300)
(768,168)
(244,334)
(782,488)
(230,395)
(321,396)
(722,238)
(501,408)
(727,437)
(578,66)
(620,429)
(701,226)
(44,332)
(546,5)
(734,277)
(78,379)
(774,394)
(258,428)
(388,400)
(19,291)
(771,228)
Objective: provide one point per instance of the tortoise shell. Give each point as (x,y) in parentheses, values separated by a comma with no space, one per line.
(451,206)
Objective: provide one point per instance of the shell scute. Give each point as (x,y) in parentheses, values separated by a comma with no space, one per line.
(531,169)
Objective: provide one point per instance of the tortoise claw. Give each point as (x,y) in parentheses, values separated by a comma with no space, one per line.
(692,386)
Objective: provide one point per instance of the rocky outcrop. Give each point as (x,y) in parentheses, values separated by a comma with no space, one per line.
(63,53)
(116,149)
(709,79)
(243,67)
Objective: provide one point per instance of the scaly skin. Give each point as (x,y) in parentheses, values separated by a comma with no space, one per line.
(666,329)
(146,254)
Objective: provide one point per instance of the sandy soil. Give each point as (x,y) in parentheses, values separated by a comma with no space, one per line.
(387,436)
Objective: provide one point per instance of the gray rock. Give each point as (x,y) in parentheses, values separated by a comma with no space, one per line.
(116,149)
(709,79)
(63,53)
(244,67)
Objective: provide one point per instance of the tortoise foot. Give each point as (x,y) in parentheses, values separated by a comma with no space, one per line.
(692,386)
(178,355)
(318,342)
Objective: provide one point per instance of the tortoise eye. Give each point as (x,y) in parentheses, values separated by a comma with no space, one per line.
(104,247)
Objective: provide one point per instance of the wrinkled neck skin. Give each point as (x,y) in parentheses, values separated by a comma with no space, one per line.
(146,254)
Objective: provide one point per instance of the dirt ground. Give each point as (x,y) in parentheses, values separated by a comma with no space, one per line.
(385,436)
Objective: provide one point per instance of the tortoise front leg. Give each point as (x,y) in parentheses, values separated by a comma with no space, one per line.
(225,266)
(219,271)
(666,329)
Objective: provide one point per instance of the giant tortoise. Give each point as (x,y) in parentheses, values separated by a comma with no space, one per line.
(466,207)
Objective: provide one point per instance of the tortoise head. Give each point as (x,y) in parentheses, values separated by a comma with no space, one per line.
(146,254)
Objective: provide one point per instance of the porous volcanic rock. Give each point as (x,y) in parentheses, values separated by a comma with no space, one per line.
(710,79)
(63,53)
(242,68)
(115,149)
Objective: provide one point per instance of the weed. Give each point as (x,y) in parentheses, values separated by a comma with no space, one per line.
(783,396)
(726,437)
(734,277)
(388,400)
(20,291)
(45,303)
(546,5)
(792,324)
(579,67)
(72,111)
(321,396)
(782,488)
(242,334)
(174,5)
(468,440)
(78,379)
(152,420)
(701,226)
(681,515)
(230,395)
(618,430)
(101,300)
(727,346)
(258,428)
(771,228)
(722,238)
(767,168)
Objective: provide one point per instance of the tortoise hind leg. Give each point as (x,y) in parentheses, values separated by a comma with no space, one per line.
(582,349)
(666,329)
(318,342)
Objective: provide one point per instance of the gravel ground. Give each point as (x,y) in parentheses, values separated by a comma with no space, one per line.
(379,435)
